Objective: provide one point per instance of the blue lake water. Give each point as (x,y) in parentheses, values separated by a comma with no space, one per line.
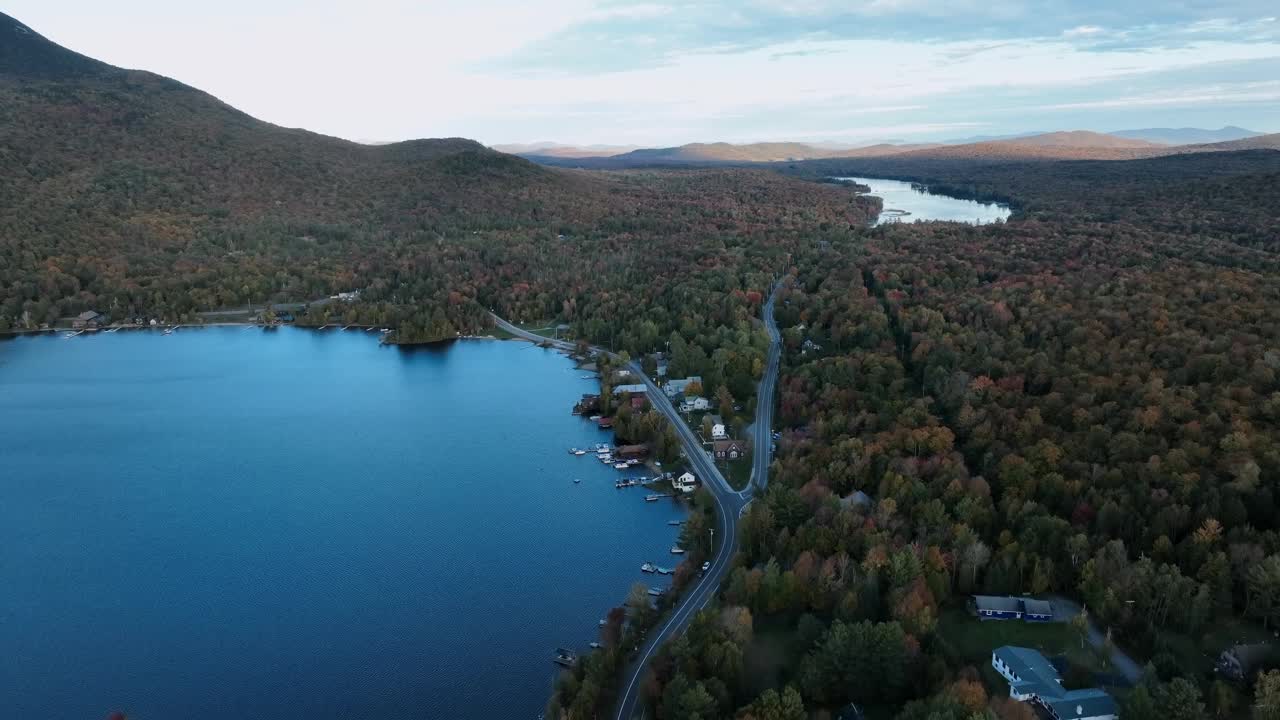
(923,206)
(293,524)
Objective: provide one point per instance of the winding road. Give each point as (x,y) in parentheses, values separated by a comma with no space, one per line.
(730,503)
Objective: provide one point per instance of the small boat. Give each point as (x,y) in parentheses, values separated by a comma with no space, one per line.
(603,622)
(656,592)
(386,330)
(168,331)
(648,567)
(577,480)
(579,452)
(677,550)
(653,498)
(564,657)
(633,462)
(573,451)
(596,417)
(675,523)
(620,466)
(664,571)
(595,645)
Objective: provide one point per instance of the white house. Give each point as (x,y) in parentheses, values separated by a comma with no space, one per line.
(686,483)
(719,431)
(695,404)
(1032,679)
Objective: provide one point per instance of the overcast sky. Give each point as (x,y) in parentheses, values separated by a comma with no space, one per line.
(668,72)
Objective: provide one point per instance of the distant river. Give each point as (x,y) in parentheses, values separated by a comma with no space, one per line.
(231,523)
(922,206)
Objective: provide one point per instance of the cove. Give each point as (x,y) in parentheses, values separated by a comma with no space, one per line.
(293,524)
(921,205)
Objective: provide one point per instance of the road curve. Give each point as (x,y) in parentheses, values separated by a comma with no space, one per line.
(729,507)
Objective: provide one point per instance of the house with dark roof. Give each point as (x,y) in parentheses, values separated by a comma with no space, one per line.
(991,607)
(728,449)
(1032,679)
(87,319)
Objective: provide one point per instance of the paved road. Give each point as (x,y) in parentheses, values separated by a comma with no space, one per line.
(762,428)
(1065,609)
(730,505)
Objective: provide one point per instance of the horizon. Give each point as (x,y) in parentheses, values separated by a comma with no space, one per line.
(591,72)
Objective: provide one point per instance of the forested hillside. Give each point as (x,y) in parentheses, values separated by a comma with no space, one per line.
(135,195)
(1084,401)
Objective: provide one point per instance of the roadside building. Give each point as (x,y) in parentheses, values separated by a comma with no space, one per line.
(634,389)
(1032,679)
(639,401)
(694,404)
(728,449)
(676,387)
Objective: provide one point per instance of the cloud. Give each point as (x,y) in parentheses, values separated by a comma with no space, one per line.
(671,71)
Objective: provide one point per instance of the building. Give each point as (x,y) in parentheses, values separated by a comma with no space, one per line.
(728,449)
(991,607)
(87,319)
(639,401)
(1033,680)
(857,499)
(675,388)
(694,404)
(627,452)
(686,483)
(1241,662)
(719,431)
(634,388)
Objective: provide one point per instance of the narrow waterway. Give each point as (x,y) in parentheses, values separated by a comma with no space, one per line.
(906,202)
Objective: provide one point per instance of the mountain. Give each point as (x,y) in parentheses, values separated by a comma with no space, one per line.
(130,148)
(708,154)
(554,149)
(1187,136)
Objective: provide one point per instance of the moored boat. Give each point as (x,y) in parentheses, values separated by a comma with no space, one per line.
(653,498)
(677,550)
(564,657)
(648,567)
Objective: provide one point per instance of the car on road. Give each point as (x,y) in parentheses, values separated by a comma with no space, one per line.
(705,567)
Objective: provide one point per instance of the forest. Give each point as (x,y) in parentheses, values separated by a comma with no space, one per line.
(1083,402)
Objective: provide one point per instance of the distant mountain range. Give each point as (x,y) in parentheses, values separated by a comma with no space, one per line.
(1062,145)
(1187,136)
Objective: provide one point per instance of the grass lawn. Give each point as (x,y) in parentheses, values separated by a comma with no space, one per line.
(737,472)
(1198,652)
(970,642)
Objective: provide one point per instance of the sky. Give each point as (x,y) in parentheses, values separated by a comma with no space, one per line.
(667,72)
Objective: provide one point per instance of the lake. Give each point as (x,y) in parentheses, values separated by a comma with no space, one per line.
(923,206)
(233,522)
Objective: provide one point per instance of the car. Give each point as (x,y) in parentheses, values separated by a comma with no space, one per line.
(706,566)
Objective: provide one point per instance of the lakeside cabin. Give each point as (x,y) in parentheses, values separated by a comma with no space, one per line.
(686,483)
(87,319)
(633,389)
(992,607)
(632,452)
